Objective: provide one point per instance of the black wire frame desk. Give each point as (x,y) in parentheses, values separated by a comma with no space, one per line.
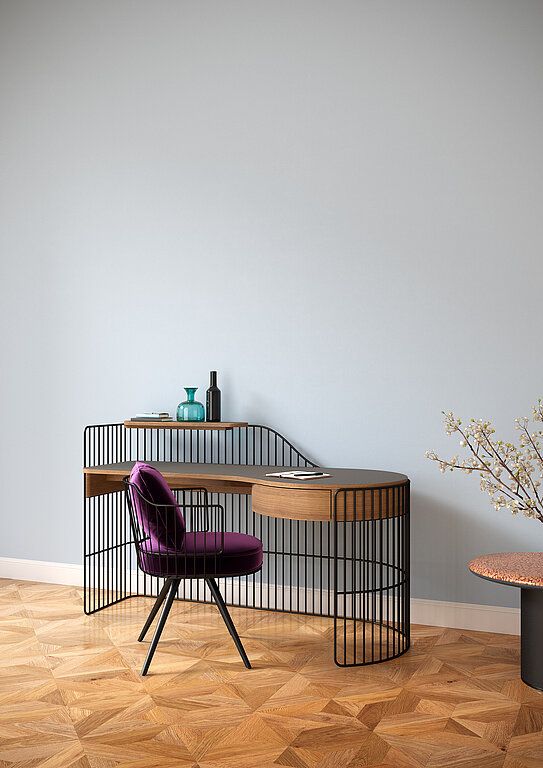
(352,568)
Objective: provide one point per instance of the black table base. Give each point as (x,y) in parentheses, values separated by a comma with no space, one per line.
(531,637)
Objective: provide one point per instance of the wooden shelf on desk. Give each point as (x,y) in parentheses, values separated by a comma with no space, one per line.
(184,424)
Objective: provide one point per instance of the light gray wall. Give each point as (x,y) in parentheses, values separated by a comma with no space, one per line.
(338,205)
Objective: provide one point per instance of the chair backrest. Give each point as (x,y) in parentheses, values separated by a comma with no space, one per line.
(158,518)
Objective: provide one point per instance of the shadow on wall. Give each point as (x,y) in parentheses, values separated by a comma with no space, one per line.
(445,537)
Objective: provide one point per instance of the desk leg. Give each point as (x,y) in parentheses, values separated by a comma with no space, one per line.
(531,637)
(371,575)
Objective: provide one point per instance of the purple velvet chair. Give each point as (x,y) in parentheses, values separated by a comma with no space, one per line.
(167,550)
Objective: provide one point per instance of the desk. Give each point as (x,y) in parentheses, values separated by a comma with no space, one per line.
(277,497)
(336,546)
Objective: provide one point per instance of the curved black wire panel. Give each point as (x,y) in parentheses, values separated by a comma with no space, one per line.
(354,568)
(110,567)
(371,574)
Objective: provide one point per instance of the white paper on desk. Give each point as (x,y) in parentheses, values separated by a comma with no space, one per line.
(296,476)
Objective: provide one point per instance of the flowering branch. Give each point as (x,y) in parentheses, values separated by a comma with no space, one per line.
(510,474)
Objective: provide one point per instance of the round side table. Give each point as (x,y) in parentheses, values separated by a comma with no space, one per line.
(524,570)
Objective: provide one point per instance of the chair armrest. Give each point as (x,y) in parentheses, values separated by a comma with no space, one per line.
(205,506)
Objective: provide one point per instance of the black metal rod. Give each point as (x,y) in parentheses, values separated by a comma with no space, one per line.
(174,585)
(154,610)
(221,605)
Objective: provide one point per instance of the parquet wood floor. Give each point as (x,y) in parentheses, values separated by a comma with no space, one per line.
(71,694)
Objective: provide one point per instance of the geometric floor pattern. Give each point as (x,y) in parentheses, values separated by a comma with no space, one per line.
(71,693)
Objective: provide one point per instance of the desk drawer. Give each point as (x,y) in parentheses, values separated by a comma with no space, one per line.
(292,503)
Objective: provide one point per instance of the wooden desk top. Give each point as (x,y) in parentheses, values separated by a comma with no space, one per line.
(274,496)
(243,474)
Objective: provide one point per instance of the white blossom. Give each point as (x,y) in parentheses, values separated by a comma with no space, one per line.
(510,474)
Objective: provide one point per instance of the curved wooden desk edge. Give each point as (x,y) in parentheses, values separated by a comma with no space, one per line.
(352,493)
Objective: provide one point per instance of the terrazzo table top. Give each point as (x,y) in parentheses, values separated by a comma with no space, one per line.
(516,568)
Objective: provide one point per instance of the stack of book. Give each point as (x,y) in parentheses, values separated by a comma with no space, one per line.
(151,416)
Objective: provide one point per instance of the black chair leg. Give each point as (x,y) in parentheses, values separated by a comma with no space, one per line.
(154,610)
(221,605)
(174,584)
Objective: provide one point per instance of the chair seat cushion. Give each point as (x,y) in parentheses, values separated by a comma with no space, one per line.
(204,554)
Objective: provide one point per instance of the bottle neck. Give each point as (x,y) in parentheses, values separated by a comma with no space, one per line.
(190,393)
(213,378)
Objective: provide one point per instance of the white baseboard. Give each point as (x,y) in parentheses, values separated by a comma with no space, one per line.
(437,613)
(40,570)
(484,618)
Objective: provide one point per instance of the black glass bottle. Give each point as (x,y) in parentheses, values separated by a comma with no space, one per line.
(213,399)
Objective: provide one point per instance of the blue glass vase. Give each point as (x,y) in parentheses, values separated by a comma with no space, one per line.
(190,409)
